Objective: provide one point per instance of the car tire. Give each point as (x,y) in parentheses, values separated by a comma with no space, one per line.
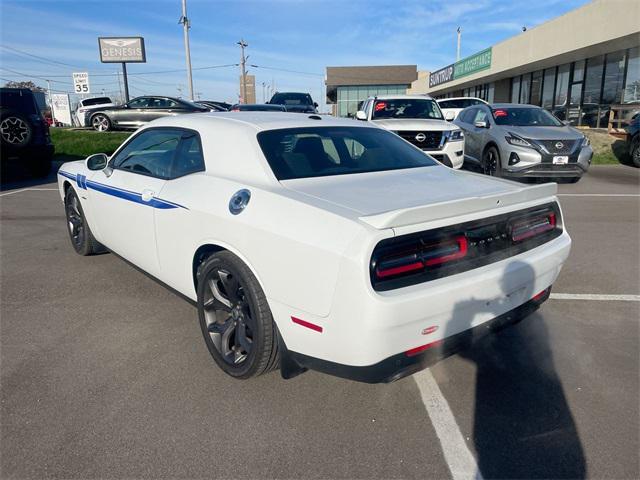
(15,130)
(238,327)
(635,151)
(100,122)
(491,163)
(82,239)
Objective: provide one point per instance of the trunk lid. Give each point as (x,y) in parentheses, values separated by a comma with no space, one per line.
(409,196)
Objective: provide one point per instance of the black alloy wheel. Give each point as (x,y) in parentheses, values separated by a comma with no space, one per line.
(234,317)
(15,130)
(635,151)
(491,162)
(80,234)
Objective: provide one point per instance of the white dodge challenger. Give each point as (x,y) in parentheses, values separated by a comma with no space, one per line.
(310,242)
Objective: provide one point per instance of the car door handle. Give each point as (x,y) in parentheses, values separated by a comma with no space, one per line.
(147,195)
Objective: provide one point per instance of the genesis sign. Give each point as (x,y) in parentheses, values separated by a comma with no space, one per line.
(467,66)
(122,50)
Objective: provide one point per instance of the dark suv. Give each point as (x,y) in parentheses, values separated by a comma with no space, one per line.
(24,132)
(294,102)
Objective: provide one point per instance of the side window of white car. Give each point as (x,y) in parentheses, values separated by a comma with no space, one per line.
(150,153)
(188,158)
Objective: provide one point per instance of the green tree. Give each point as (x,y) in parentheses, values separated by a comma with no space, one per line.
(24,84)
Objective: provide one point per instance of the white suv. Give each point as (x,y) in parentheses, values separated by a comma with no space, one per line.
(418,120)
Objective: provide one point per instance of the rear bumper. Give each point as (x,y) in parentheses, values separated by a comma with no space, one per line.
(364,328)
(403,364)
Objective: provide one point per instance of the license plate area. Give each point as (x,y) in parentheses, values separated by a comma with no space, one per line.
(560,159)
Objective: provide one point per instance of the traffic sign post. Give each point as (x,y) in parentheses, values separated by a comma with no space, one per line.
(81,82)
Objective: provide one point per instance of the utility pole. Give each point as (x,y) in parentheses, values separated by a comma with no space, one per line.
(125,81)
(458,49)
(264,92)
(120,86)
(243,60)
(186,25)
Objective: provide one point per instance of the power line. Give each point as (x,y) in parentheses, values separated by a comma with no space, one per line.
(93,74)
(288,71)
(42,59)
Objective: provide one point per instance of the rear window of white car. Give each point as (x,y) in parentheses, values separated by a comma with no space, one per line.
(323,151)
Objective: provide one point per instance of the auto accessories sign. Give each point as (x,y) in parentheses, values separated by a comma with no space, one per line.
(467,66)
(474,63)
(122,50)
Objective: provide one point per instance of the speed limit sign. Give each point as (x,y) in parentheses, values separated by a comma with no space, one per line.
(81,82)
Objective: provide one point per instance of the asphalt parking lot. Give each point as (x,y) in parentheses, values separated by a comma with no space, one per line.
(104,372)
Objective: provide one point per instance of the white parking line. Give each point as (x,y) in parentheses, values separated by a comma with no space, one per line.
(27,189)
(599,194)
(460,460)
(597,297)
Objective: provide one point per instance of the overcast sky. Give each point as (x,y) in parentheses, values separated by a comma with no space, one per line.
(296,35)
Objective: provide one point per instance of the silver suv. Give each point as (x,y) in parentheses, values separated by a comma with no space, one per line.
(513,140)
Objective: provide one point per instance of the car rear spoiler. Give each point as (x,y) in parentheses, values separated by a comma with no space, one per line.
(452,208)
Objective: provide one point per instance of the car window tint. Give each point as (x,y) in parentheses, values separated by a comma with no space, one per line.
(480,116)
(150,153)
(321,151)
(468,115)
(139,102)
(189,158)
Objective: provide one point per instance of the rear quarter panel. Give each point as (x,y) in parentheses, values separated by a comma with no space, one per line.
(294,249)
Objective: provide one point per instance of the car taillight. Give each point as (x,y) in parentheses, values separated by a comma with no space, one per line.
(532,226)
(424,256)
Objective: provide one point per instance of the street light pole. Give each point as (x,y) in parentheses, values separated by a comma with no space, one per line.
(186,25)
(458,49)
(243,85)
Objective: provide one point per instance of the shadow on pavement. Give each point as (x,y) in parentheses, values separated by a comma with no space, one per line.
(523,427)
(15,176)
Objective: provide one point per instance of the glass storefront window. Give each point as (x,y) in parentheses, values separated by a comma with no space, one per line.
(515,89)
(490,93)
(349,97)
(562,85)
(593,80)
(632,84)
(524,88)
(578,71)
(547,91)
(536,88)
(613,78)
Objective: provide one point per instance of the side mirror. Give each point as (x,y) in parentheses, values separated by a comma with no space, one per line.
(360,115)
(98,161)
(315,104)
(449,116)
(482,124)
(566,122)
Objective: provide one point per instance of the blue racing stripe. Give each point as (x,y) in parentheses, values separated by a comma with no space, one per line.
(83,183)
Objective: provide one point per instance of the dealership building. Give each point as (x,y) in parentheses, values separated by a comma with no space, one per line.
(576,65)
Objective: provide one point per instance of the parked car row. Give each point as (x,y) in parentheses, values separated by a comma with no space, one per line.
(103,115)
(505,140)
